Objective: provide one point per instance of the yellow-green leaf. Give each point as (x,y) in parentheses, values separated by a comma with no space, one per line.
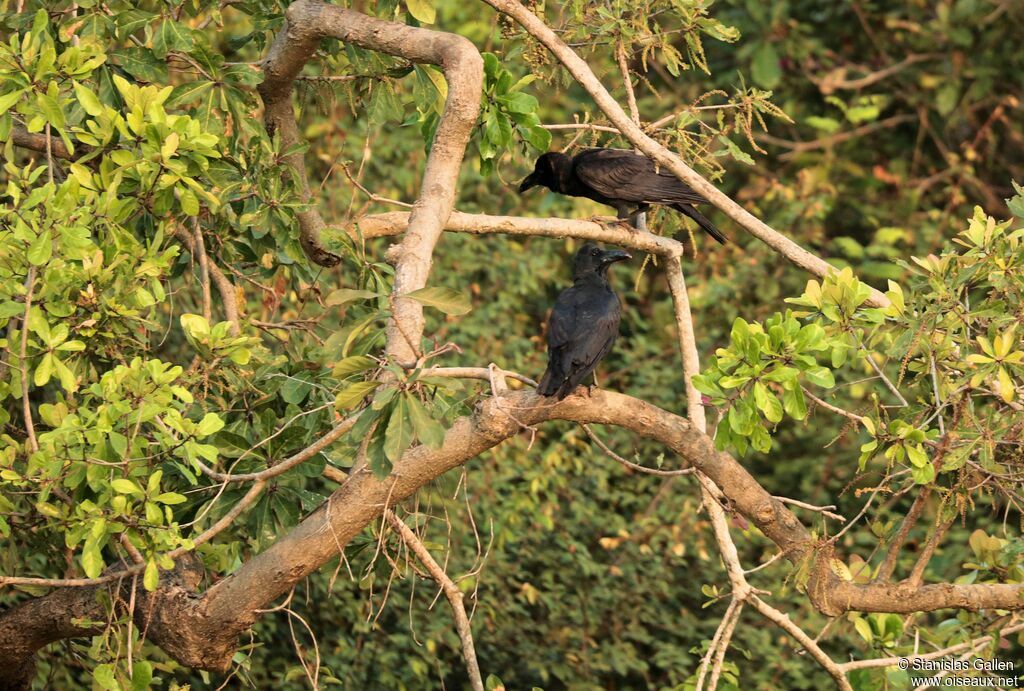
(354,393)
(423,10)
(445,299)
(151,579)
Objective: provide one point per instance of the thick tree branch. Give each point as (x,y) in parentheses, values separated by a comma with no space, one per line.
(308,21)
(395,223)
(201,631)
(38,141)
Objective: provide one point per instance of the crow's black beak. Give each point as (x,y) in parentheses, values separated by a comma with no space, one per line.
(527,183)
(612,256)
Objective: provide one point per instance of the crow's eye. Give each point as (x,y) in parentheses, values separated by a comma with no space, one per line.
(596,252)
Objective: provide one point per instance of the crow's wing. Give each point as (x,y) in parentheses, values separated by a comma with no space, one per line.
(581,331)
(621,174)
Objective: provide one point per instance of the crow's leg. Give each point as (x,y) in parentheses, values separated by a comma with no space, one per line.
(637,219)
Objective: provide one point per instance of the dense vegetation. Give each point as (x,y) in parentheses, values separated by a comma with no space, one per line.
(162,322)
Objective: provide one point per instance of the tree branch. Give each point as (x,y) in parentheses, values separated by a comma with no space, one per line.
(395,223)
(451,591)
(308,21)
(786,624)
(581,71)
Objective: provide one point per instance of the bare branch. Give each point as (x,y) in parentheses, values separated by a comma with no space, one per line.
(823,510)
(37,141)
(783,621)
(909,521)
(451,591)
(945,652)
(395,222)
(308,21)
(581,71)
(30,429)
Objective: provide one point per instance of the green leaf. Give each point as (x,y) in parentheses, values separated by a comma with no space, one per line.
(768,403)
(142,675)
(820,376)
(423,10)
(88,100)
(794,403)
(188,201)
(765,68)
(428,430)
(103,675)
(445,299)
(398,435)
(151,579)
(355,392)
(352,365)
(539,138)
(186,93)
(170,498)
(126,486)
(8,100)
(171,35)
(210,424)
(43,370)
(41,249)
(295,390)
(92,560)
(923,475)
(343,296)
(864,629)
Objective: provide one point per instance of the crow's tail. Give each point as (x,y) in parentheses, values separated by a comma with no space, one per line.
(547,386)
(703,222)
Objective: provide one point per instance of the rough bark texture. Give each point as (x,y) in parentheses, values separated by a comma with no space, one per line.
(308,21)
(34,624)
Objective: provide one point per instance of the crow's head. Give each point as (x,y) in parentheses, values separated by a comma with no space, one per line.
(548,171)
(591,259)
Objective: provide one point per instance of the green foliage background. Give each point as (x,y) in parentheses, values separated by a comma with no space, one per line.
(591,577)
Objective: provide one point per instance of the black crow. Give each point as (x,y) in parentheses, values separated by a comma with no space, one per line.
(583,324)
(627,181)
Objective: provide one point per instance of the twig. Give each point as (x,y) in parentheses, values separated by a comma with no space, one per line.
(783,621)
(451,591)
(629,464)
(917,573)
(284,466)
(823,510)
(30,429)
(859,419)
(725,639)
(373,197)
(49,153)
(204,269)
(910,520)
(885,379)
(797,148)
(935,392)
(828,85)
(971,645)
(774,558)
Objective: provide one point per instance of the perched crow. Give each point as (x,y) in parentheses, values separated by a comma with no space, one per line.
(583,323)
(619,178)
